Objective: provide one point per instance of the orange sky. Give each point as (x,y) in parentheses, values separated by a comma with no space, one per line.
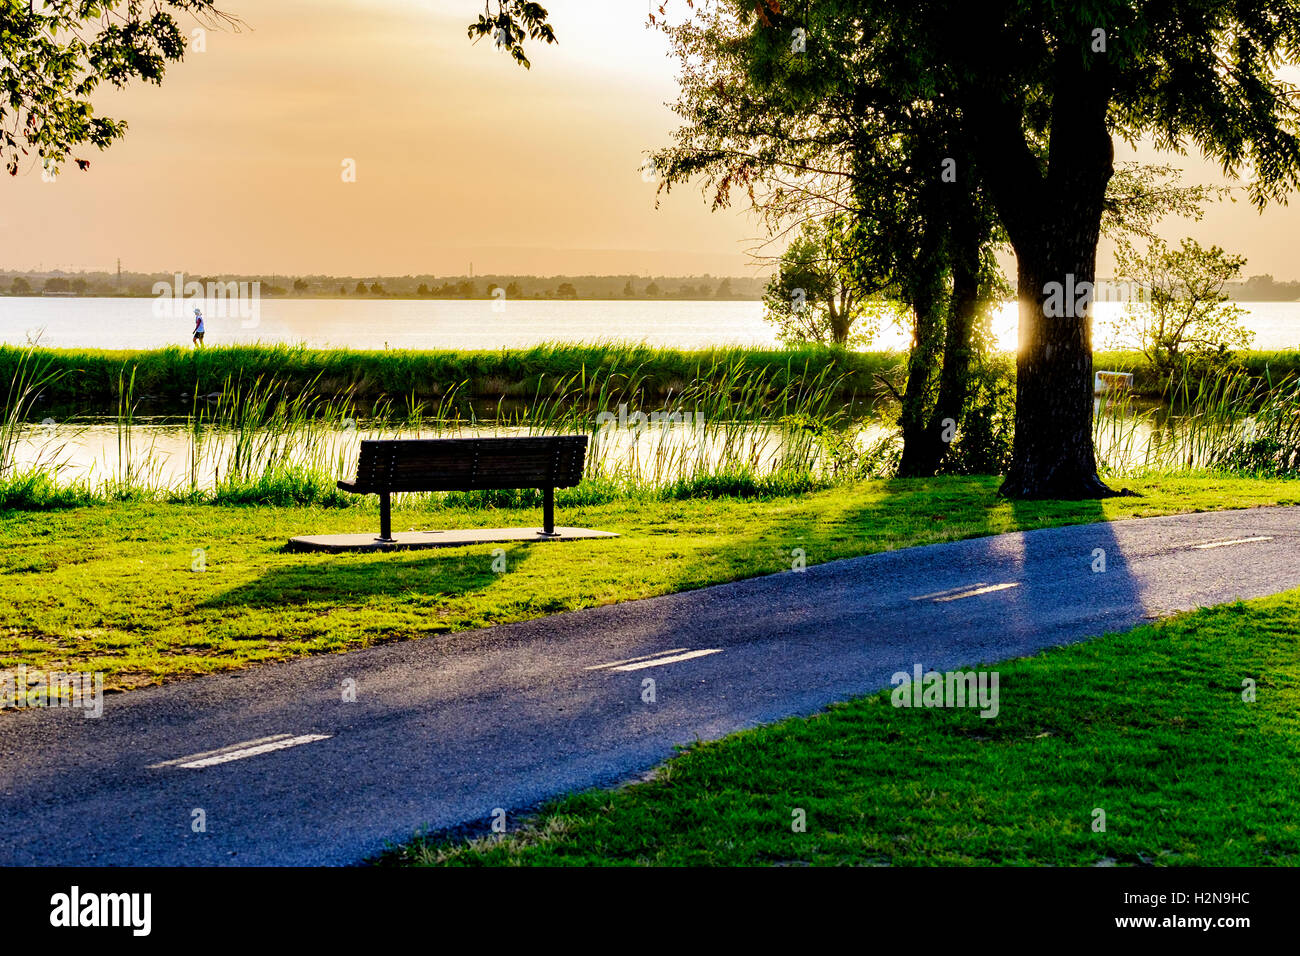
(233,165)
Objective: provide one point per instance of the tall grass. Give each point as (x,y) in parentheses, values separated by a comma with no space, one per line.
(131,476)
(1263,367)
(167,378)
(1223,420)
(271,440)
(35,480)
(32,377)
(731,420)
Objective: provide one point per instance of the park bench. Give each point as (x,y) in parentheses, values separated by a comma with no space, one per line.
(468,464)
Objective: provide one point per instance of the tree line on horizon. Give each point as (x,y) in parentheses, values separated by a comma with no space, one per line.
(1257,288)
(706,287)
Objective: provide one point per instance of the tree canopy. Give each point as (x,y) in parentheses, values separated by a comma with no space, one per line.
(776,105)
(813,296)
(1044,87)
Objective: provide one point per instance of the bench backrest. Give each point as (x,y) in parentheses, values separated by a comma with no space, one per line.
(468,464)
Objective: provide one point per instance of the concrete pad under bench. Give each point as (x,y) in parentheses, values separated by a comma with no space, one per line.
(414,540)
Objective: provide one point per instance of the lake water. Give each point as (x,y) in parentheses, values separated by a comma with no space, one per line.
(477,324)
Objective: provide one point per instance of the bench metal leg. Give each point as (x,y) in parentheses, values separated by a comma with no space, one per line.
(385,517)
(548,512)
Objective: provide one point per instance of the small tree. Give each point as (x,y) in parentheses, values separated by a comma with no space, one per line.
(1188,316)
(21,286)
(361,288)
(813,296)
(299,285)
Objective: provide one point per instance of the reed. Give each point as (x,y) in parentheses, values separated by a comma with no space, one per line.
(1227,420)
(32,377)
(728,421)
(130,477)
(265,439)
(167,377)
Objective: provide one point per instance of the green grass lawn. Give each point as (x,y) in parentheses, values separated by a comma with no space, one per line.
(112,587)
(1148,726)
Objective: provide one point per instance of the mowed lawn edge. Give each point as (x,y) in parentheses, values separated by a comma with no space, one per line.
(1171,744)
(147,592)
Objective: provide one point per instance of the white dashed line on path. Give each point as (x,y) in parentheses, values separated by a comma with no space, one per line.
(674,656)
(1224,544)
(249,748)
(956,594)
(934,594)
(633,660)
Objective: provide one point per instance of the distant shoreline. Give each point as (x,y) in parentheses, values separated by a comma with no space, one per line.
(412,297)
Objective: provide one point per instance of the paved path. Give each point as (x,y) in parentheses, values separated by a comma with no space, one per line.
(443,731)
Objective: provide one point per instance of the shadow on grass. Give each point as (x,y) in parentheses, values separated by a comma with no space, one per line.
(902,513)
(306,580)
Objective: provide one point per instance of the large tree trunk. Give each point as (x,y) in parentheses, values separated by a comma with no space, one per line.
(1053,218)
(924,292)
(1053,456)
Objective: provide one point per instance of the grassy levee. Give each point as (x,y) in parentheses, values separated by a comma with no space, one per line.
(165,377)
